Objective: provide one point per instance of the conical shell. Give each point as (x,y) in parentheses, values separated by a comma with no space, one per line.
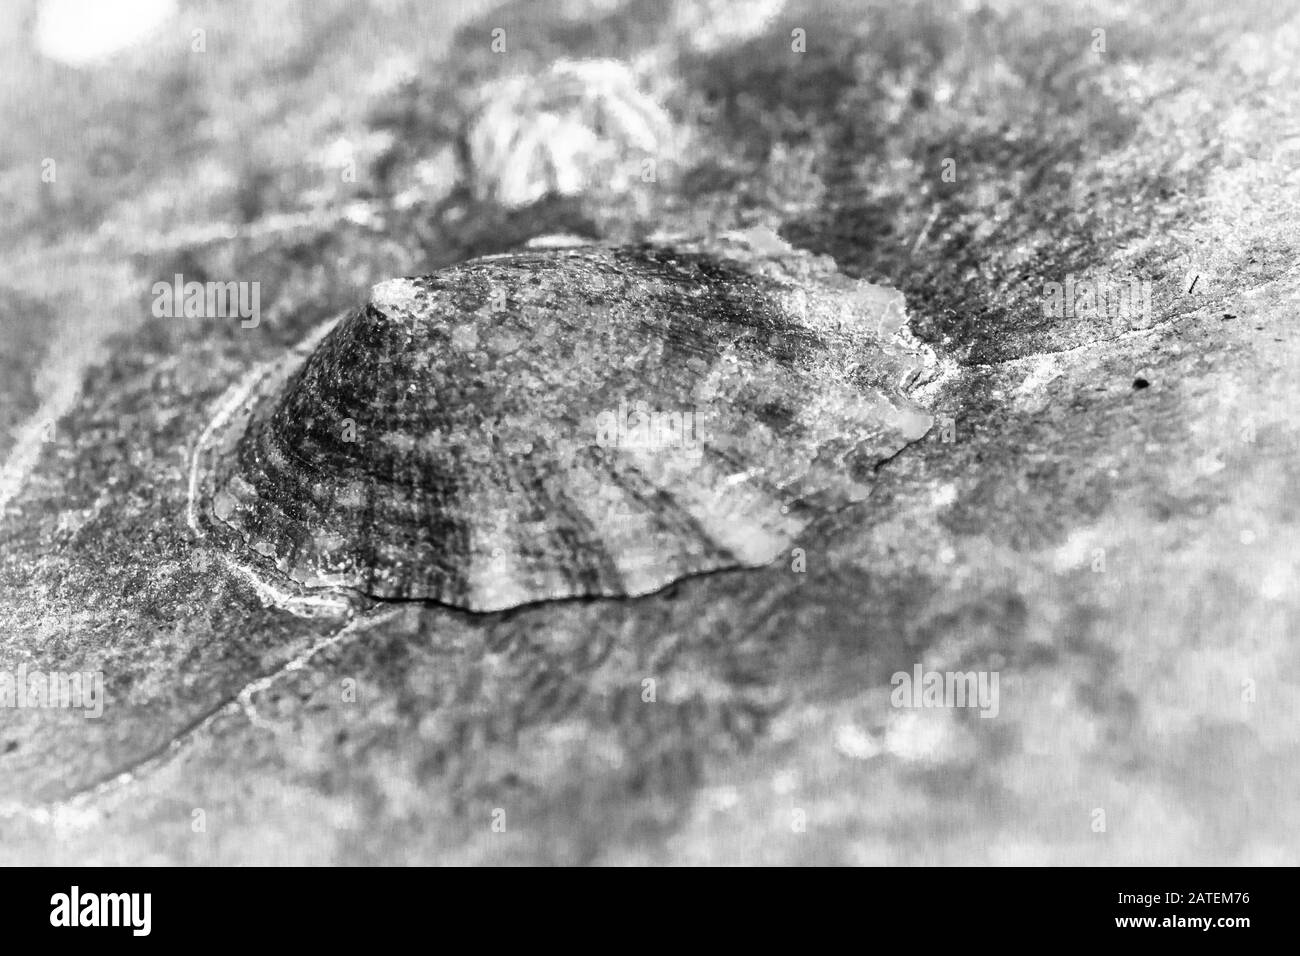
(567,423)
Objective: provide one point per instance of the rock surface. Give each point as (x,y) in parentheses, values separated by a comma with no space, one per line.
(1123,556)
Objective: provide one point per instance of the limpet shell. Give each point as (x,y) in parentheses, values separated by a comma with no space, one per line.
(571,422)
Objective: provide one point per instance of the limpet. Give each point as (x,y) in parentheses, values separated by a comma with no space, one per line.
(565,422)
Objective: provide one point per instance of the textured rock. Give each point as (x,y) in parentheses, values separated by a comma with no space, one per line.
(1123,557)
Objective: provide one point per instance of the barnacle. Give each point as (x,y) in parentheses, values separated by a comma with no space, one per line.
(577,126)
(566,422)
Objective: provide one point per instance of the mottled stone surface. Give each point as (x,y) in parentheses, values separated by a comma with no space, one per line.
(1123,556)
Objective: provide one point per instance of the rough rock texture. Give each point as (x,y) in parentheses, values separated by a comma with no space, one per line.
(1121,553)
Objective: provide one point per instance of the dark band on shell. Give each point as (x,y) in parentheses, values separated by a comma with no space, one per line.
(567,423)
